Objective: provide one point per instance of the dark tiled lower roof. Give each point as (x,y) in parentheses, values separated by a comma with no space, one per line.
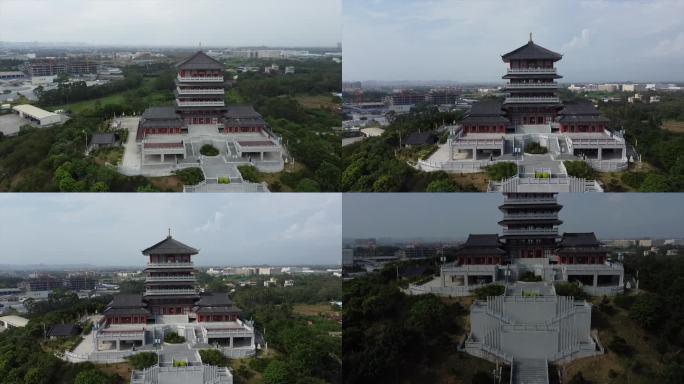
(166,112)
(126,300)
(103,138)
(64,330)
(421,138)
(486,108)
(579,108)
(127,312)
(242,111)
(570,239)
(487,244)
(486,119)
(569,119)
(214,299)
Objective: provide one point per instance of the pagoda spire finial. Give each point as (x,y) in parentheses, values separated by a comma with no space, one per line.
(169,232)
(530,37)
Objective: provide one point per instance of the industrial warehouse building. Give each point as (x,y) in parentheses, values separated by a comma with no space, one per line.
(39,116)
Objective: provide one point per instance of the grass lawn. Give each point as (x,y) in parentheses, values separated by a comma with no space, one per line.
(611,179)
(479,180)
(640,367)
(313,309)
(154,98)
(675,126)
(121,369)
(317,101)
(111,156)
(166,183)
(270,178)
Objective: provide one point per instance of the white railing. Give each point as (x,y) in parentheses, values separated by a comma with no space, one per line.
(200,79)
(531,70)
(467,142)
(170,291)
(170,278)
(534,99)
(514,216)
(200,91)
(169,265)
(200,103)
(532,85)
(528,231)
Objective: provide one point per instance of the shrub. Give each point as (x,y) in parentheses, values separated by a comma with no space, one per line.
(224,180)
(249,173)
(530,276)
(542,175)
(619,345)
(579,169)
(570,289)
(180,363)
(502,170)
(190,176)
(142,360)
(173,338)
(535,148)
(209,150)
(213,357)
(488,290)
(443,185)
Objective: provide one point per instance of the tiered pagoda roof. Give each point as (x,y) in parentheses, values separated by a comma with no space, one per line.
(243,116)
(200,60)
(170,246)
(531,51)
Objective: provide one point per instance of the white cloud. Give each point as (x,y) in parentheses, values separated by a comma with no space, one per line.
(670,47)
(580,41)
(213,224)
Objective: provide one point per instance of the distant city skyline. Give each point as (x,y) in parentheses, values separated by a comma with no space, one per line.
(297,23)
(452,40)
(228,229)
(454,216)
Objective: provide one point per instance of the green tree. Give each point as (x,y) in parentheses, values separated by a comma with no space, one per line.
(442,185)
(277,372)
(646,310)
(92,376)
(308,185)
(655,183)
(328,176)
(142,360)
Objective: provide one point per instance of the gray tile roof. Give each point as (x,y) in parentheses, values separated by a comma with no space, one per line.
(531,51)
(487,244)
(579,108)
(214,299)
(166,112)
(200,60)
(103,138)
(421,138)
(486,108)
(127,300)
(241,112)
(64,330)
(579,239)
(170,246)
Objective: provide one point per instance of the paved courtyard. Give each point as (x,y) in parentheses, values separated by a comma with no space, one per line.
(10,123)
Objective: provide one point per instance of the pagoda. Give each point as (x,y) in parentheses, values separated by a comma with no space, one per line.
(170,285)
(531,90)
(200,91)
(530,224)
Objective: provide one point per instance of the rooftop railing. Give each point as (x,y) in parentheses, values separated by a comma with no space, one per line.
(170,278)
(200,103)
(169,265)
(531,70)
(200,79)
(532,99)
(200,91)
(552,84)
(177,291)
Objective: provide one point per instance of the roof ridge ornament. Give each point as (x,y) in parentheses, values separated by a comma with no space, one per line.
(169,232)
(530,37)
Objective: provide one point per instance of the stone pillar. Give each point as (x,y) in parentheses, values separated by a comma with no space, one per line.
(595,279)
(231,342)
(262,156)
(118,345)
(599,153)
(162,157)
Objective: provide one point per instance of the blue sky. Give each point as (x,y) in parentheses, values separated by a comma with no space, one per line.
(173,22)
(228,229)
(454,40)
(455,215)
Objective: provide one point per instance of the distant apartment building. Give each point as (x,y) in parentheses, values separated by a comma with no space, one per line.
(289,70)
(633,87)
(623,243)
(405,98)
(645,243)
(608,87)
(41,282)
(347,257)
(654,99)
(51,66)
(442,96)
(80,282)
